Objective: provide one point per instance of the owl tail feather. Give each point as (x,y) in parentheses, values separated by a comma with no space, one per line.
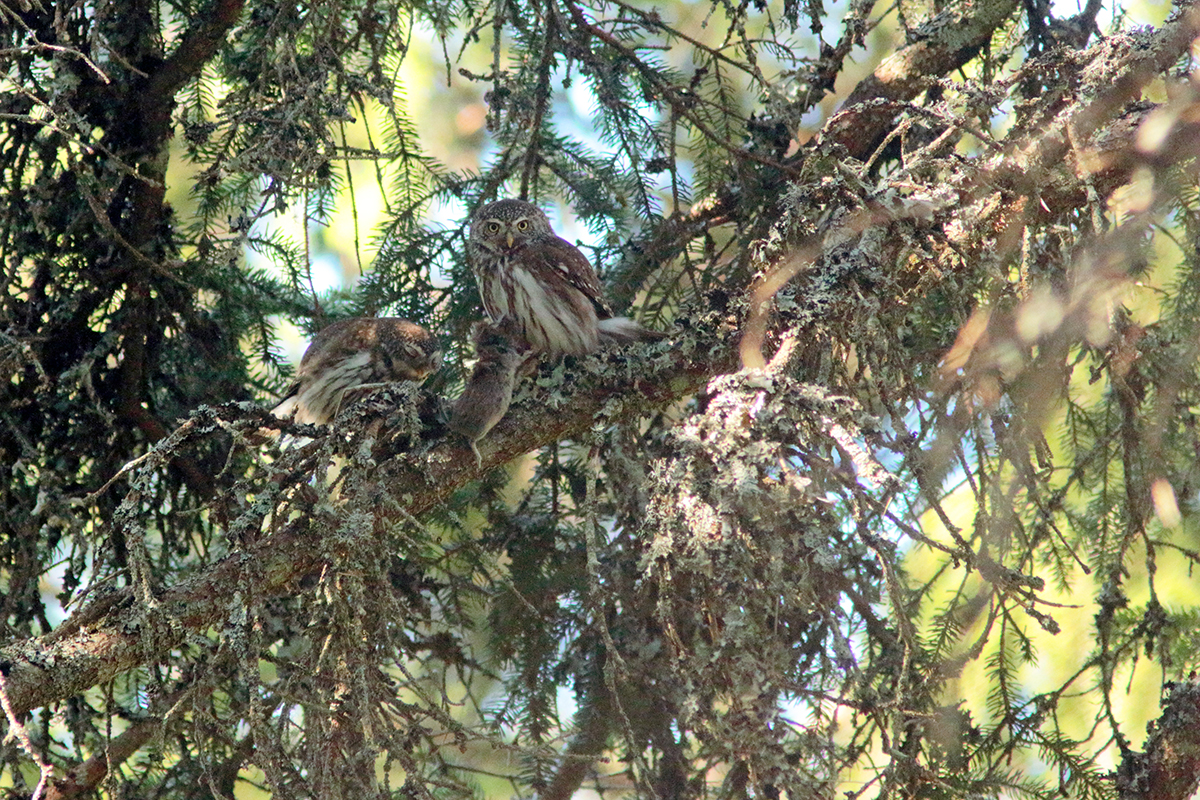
(623,330)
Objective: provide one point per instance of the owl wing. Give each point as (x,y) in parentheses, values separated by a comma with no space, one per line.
(561,257)
(320,342)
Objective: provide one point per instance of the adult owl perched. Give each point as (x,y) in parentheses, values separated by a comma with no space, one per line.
(354,353)
(542,282)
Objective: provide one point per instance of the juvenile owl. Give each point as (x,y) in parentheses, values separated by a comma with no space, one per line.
(357,352)
(542,282)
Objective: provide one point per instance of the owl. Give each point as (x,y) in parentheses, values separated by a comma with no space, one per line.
(353,353)
(542,282)
(500,351)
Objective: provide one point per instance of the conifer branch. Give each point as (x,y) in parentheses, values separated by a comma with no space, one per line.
(115,634)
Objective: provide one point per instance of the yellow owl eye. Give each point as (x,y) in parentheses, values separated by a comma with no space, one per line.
(493,227)
(523,225)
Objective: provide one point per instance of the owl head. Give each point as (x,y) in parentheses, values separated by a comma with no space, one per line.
(407,350)
(505,225)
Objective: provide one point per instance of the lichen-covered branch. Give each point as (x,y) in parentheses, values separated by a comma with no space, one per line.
(1169,767)
(115,633)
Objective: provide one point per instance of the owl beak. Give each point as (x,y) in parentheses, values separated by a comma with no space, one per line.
(509,238)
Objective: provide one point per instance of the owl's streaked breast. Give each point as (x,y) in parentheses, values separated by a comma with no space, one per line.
(318,400)
(547,318)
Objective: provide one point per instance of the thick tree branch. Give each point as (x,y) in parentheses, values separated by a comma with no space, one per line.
(144,244)
(1089,147)
(1169,769)
(196,47)
(946,42)
(115,634)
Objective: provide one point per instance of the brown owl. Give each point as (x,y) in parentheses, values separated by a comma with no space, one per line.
(353,353)
(542,282)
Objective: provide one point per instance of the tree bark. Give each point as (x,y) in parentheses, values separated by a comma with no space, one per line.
(1169,769)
